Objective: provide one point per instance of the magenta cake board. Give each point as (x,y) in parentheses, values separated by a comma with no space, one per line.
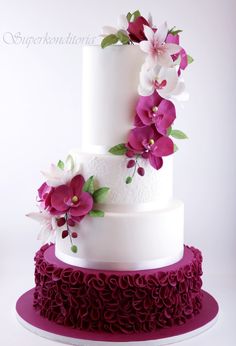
(32,320)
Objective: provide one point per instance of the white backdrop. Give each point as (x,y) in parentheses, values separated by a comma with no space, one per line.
(40,121)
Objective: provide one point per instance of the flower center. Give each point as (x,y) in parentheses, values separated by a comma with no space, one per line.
(157,85)
(74,199)
(151,141)
(154,109)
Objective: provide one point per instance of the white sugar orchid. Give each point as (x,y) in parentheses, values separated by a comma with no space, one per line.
(122,25)
(48,226)
(158,51)
(164,80)
(57,175)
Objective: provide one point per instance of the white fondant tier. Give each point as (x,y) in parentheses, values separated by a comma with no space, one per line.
(152,191)
(109,94)
(127,241)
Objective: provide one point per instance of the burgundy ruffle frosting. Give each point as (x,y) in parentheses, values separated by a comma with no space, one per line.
(114,301)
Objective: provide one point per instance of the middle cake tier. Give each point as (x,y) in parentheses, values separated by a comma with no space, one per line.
(152,191)
(132,240)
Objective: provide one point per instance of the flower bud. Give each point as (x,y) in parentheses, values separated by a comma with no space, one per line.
(129,153)
(64,234)
(141,171)
(130,164)
(61,221)
(128,180)
(71,222)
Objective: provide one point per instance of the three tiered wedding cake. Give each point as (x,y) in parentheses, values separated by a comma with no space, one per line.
(119,266)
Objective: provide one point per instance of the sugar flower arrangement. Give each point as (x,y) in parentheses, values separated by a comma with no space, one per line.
(64,200)
(160,85)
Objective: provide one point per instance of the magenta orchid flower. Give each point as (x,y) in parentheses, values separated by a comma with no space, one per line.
(154,109)
(147,142)
(44,194)
(159,52)
(71,199)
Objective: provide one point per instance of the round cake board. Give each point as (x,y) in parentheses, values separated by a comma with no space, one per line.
(31,320)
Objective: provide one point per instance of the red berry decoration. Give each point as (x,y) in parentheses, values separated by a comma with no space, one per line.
(130,164)
(141,171)
(145,155)
(71,222)
(129,153)
(74,235)
(64,234)
(61,221)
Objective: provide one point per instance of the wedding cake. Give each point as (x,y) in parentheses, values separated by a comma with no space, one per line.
(119,265)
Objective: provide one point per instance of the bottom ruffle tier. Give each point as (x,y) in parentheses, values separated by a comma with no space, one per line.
(118,301)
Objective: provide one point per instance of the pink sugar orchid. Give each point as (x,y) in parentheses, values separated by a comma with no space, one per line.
(44,195)
(147,142)
(71,199)
(155,110)
(164,80)
(159,52)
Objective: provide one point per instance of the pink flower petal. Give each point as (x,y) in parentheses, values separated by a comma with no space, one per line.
(172,39)
(172,48)
(77,219)
(59,196)
(145,46)
(166,115)
(161,33)
(145,107)
(163,147)
(43,190)
(148,32)
(138,122)
(138,135)
(156,162)
(84,206)
(164,59)
(184,59)
(77,184)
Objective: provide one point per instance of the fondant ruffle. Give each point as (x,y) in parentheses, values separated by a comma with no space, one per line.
(115,301)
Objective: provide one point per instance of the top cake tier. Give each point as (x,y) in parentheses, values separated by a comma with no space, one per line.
(109,94)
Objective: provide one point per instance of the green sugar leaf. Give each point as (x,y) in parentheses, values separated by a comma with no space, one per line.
(178,134)
(169,131)
(128,180)
(190,59)
(128,16)
(96,213)
(124,39)
(89,185)
(135,15)
(74,248)
(175,148)
(119,149)
(100,194)
(109,40)
(60,164)
(176,32)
